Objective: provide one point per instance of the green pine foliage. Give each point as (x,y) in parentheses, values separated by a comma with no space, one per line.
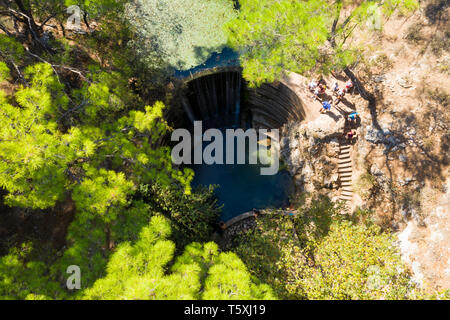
(4,71)
(139,271)
(10,50)
(275,36)
(137,268)
(193,216)
(41,163)
(22,279)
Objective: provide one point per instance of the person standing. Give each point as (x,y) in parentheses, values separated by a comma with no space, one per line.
(348,85)
(340,96)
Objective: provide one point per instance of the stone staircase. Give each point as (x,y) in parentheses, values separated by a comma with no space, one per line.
(345,171)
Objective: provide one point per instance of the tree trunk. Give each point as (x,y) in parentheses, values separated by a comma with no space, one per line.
(366,95)
(363,92)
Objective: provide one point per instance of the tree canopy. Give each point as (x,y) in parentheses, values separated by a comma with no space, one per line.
(322,254)
(274,36)
(137,271)
(41,162)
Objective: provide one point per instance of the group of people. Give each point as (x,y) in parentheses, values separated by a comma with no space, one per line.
(318,88)
(350,133)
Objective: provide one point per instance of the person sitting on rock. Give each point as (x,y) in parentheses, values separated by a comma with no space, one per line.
(335,88)
(326,106)
(340,95)
(312,85)
(352,117)
(351,134)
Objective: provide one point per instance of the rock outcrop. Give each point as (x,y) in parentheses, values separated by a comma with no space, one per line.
(310,152)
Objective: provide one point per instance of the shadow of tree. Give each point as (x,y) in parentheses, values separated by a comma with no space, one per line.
(435,11)
(348,104)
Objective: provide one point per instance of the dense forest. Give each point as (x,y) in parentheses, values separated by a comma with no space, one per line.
(86,177)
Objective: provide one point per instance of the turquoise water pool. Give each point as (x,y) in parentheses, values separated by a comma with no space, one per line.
(241,187)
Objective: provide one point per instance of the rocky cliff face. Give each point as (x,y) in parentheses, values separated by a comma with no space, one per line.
(274,104)
(309,151)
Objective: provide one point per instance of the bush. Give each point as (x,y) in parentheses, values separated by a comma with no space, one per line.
(351,262)
(414,33)
(364,185)
(319,254)
(440,43)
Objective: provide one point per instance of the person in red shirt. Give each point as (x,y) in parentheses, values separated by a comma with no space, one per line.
(348,85)
(350,135)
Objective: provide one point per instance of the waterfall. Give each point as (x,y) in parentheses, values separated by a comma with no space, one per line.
(238,102)
(215,99)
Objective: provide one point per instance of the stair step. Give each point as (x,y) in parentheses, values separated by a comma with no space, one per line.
(347,174)
(345,147)
(344,155)
(347,193)
(347,184)
(347,189)
(345,165)
(344,160)
(349,169)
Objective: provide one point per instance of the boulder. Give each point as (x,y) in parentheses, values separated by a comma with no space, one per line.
(326,126)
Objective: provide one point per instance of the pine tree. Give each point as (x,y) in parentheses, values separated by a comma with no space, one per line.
(138,271)
(302,36)
(41,162)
